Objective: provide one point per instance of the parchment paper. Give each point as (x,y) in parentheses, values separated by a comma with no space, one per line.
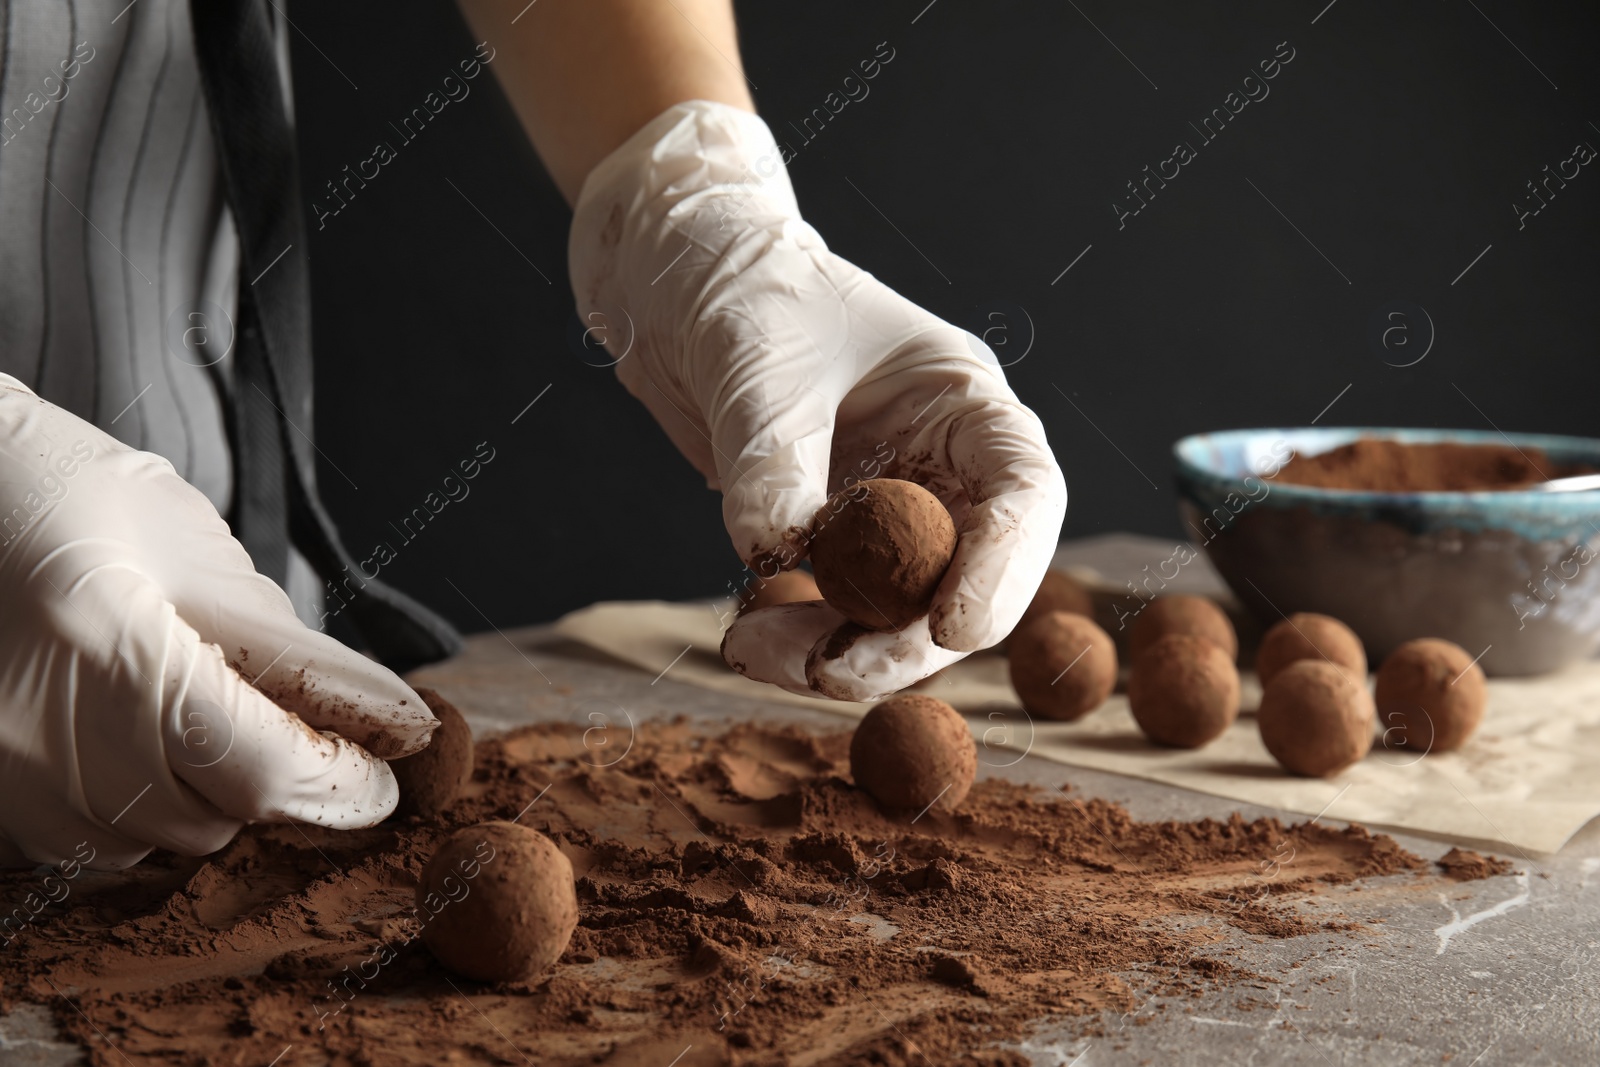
(1528,780)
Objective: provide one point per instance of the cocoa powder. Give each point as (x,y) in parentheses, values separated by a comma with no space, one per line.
(1380,465)
(1464,865)
(736,895)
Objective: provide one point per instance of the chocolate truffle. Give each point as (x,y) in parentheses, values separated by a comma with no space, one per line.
(785,587)
(1059,591)
(1063,666)
(879,549)
(1316,717)
(1193,615)
(1306,635)
(431,779)
(1183,691)
(1430,696)
(498,902)
(912,750)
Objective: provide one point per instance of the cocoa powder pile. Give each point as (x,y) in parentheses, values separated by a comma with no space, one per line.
(740,902)
(1375,464)
(1464,865)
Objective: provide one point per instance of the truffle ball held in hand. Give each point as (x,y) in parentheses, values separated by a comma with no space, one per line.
(1183,691)
(1316,718)
(499,902)
(879,549)
(1306,635)
(1062,665)
(1430,696)
(913,750)
(1195,616)
(785,587)
(431,779)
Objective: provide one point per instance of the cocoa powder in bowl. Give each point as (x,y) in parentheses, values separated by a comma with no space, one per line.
(1307,635)
(879,549)
(912,750)
(429,780)
(1195,616)
(502,901)
(1062,665)
(1381,465)
(1316,718)
(1430,696)
(1183,691)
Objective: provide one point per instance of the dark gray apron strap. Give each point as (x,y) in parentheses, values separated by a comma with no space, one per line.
(275,487)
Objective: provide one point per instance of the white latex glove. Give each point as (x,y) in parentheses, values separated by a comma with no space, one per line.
(781,370)
(125,607)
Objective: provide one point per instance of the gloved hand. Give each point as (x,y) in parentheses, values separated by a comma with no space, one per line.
(132,629)
(781,370)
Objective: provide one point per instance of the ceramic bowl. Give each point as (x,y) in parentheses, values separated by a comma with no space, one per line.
(1513,576)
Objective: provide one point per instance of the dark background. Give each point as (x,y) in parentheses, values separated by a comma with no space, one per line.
(997,140)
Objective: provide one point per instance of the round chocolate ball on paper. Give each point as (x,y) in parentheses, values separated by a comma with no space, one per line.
(1059,591)
(1307,635)
(1195,616)
(879,550)
(1430,696)
(1316,718)
(1183,691)
(785,587)
(1062,665)
(912,751)
(498,902)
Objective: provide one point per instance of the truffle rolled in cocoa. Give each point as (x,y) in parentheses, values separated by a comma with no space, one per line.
(1307,635)
(431,779)
(1059,591)
(1183,691)
(1062,665)
(785,587)
(1195,616)
(1430,696)
(498,902)
(879,550)
(1316,718)
(911,751)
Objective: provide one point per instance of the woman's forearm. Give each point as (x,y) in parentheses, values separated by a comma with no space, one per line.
(583,75)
